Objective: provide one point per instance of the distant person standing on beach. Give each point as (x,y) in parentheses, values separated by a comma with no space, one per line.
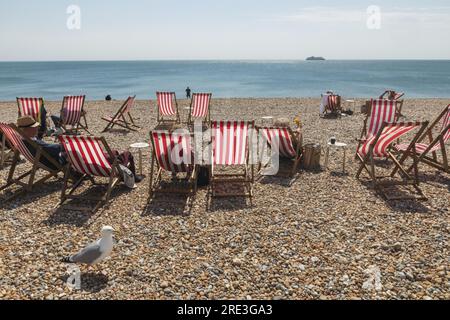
(188,93)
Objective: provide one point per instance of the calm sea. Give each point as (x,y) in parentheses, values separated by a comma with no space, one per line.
(52,80)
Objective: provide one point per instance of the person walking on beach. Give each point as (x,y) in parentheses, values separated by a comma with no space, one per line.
(188,93)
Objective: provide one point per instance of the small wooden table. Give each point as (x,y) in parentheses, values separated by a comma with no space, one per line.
(339,145)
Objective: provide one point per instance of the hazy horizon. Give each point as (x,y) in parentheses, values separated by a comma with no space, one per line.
(198,30)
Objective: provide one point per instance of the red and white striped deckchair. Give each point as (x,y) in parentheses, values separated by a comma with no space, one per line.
(172,152)
(378,146)
(381,111)
(200,107)
(71,114)
(435,144)
(334,105)
(40,160)
(119,119)
(167,107)
(30,107)
(91,157)
(230,148)
(285,143)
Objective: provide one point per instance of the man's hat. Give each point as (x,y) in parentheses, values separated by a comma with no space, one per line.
(27,122)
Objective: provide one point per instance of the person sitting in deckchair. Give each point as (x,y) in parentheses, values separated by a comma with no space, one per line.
(30,129)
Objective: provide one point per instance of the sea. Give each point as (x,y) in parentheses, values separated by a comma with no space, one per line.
(225,79)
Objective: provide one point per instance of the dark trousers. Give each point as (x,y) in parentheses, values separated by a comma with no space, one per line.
(126,159)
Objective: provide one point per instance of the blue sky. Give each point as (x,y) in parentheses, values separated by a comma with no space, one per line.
(232,29)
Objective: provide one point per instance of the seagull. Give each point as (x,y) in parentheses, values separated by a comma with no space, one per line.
(95,252)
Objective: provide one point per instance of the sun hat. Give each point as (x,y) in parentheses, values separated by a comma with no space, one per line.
(27,122)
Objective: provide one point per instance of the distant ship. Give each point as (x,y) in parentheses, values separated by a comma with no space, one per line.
(315,59)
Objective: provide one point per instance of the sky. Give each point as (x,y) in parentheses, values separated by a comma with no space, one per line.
(224,30)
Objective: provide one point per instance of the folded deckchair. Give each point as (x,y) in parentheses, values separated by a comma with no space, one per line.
(284,143)
(172,152)
(167,107)
(72,113)
(200,107)
(17,141)
(120,118)
(91,157)
(378,146)
(381,111)
(230,149)
(423,150)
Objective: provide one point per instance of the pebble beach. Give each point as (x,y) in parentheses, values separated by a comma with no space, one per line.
(314,237)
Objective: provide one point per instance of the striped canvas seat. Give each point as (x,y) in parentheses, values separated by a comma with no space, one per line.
(428,151)
(166,103)
(86,155)
(72,110)
(391,132)
(230,148)
(378,146)
(91,157)
(230,143)
(30,107)
(381,111)
(173,151)
(444,131)
(333,103)
(200,105)
(280,140)
(16,141)
(40,161)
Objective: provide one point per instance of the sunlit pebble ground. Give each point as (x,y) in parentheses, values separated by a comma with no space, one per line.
(311,240)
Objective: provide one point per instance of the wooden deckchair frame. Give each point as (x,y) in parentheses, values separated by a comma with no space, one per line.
(368,164)
(113,178)
(297,141)
(79,126)
(160,118)
(244,177)
(206,120)
(120,120)
(5,153)
(433,160)
(154,183)
(36,165)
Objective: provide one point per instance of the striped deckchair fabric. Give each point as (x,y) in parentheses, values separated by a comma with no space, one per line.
(381,111)
(120,118)
(173,153)
(167,106)
(91,157)
(334,103)
(230,148)
(230,142)
(379,146)
(284,142)
(72,112)
(86,155)
(30,107)
(17,142)
(435,143)
(173,150)
(200,106)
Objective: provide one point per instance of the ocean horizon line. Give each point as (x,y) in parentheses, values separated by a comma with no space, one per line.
(223,60)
